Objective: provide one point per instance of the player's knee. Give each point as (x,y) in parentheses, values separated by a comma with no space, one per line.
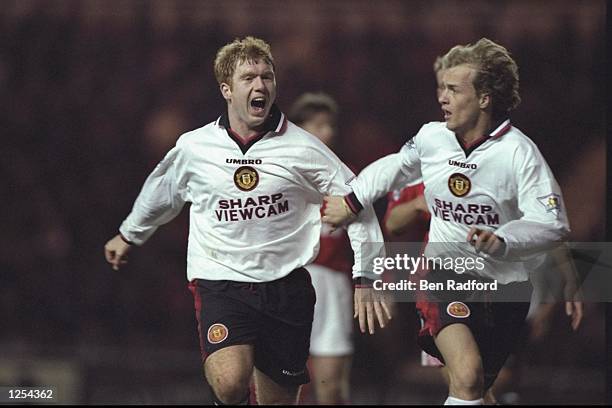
(329,391)
(230,388)
(467,377)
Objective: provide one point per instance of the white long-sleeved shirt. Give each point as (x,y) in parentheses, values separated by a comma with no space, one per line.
(500,183)
(255,213)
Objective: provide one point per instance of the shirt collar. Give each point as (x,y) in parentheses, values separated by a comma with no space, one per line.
(501,129)
(498,131)
(274,122)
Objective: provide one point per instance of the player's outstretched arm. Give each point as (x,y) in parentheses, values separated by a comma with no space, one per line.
(363,228)
(161,198)
(116,251)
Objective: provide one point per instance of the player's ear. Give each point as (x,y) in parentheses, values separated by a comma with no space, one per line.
(484,101)
(226,91)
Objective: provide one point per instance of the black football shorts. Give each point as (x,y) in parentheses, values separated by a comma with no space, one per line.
(275,317)
(498,327)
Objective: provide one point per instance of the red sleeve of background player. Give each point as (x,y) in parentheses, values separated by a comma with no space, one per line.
(405,195)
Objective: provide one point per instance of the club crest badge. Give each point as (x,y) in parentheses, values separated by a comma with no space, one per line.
(551,202)
(458,310)
(459,184)
(246,178)
(217,333)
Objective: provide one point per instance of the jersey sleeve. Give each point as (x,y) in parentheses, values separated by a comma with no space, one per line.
(161,198)
(389,173)
(364,233)
(544,217)
(405,195)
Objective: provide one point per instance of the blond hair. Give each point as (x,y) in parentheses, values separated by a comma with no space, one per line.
(238,51)
(437,66)
(309,104)
(497,73)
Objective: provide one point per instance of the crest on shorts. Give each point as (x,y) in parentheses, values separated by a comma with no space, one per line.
(551,202)
(458,310)
(217,333)
(246,178)
(459,184)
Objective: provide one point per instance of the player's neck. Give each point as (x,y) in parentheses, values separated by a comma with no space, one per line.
(241,129)
(476,132)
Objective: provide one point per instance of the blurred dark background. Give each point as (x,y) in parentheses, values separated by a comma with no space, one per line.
(94,92)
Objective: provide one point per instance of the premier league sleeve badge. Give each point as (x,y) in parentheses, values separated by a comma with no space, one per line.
(552,203)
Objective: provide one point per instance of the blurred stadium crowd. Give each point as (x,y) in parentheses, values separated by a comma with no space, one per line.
(94,93)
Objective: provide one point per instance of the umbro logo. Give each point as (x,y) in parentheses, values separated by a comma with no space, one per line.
(243,161)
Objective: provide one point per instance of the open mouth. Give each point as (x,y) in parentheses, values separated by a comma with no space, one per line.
(258,104)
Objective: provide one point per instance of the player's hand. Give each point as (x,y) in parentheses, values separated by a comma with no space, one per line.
(572,294)
(371,305)
(486,241)
(116,251)
(336,211)
(573,303)
(574,310)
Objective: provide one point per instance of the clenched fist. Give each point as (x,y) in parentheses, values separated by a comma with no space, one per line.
(337,212)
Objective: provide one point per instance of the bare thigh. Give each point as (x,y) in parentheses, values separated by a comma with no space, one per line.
(270,392)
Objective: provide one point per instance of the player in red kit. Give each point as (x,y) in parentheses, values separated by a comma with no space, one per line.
(331,345)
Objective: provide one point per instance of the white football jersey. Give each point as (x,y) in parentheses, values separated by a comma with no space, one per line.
(255,213)
(501,183)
